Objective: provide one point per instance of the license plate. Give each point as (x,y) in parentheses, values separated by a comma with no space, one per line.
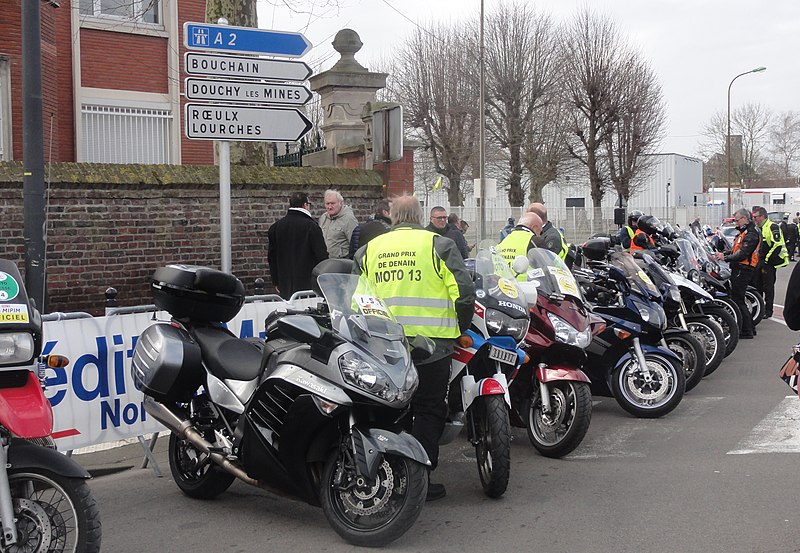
(503,355)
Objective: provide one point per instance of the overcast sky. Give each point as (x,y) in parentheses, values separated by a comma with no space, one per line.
(695,46)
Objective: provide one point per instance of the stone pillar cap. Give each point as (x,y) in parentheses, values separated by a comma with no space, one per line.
(347,43)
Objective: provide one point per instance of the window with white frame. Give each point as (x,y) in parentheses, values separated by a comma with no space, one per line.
(113,134)
(144,11)
(5,109)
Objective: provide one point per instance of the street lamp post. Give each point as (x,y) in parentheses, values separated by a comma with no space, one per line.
(728,146)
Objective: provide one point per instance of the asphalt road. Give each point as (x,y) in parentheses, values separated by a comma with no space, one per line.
(718,474)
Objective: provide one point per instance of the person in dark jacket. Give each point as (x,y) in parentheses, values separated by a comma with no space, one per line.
(791,238)
(455,234)
(377,225)
(551,238)
(743,260)
(441,226)
(791,305)
(296,245)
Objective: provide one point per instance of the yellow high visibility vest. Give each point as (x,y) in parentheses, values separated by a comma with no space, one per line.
(514,244)
(783,253)
(416,285)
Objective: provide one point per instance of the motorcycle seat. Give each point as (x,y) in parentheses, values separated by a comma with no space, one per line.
(226,356)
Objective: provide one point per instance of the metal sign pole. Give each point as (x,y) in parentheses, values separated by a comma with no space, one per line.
(225,204)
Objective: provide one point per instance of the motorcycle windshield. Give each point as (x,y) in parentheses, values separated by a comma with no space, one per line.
(642,283)
(551,275)
(656,272)
(688,260)
(496,277)
(361,317)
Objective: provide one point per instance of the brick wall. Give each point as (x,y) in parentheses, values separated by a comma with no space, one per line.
(124,221)
(123,61)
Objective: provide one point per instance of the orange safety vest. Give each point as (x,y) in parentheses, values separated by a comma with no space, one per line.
(737,245)
(634,247)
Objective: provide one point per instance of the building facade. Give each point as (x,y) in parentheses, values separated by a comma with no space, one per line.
(112,74)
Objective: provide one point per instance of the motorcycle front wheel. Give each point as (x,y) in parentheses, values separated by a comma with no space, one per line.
(649,396)
(728,327)
(692,354)
(54,514)
(559,432)
(755,302)
(194,473)
(492,441)
(373,512)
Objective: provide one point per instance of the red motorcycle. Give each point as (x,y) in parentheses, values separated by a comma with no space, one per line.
(550,394)
(45,504)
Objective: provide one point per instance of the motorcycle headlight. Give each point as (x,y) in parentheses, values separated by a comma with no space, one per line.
(16,347)
(568,334)
(695,277)
(675,294)
(362,374)
(644,312)
(500,324)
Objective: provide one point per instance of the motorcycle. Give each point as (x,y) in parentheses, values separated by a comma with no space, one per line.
(627,360)
(680,298)
(485,359)
(314,411)
(46,505)
(551,394)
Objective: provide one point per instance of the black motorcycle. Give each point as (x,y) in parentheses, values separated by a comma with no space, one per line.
(314,412)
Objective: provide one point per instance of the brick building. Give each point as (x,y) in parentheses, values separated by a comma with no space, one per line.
(111,81)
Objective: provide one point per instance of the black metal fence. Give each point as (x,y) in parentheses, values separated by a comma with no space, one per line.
(295,159)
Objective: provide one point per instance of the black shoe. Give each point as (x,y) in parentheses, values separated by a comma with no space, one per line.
(767,315)
(435,491)
(746,336)
(755,332)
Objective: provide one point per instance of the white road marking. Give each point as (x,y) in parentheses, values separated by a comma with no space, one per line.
(778,432)
(777,320)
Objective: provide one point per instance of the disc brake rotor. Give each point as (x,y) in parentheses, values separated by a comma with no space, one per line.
(558,409)
(648,390)
(371,497)
(34,531)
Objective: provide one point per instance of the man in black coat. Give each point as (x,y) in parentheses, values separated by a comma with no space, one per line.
(296,245)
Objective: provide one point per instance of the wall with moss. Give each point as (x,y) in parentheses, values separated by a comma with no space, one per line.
(113,225)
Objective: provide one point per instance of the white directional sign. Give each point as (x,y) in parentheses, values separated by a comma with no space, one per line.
(246,91)
(218,122)
(244,67)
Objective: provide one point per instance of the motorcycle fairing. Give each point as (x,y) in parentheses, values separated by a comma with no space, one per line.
(463,356)
(25,411)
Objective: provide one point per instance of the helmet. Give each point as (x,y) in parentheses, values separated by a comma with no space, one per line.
(649,224)
(708,231)
(634,216)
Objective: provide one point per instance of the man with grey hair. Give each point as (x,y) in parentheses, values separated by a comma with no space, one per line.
(337,224)
(743,260)
(425,284)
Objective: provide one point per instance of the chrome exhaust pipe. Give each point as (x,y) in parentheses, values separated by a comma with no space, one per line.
(186,431)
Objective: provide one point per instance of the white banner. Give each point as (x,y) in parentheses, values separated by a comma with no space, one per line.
(94,400)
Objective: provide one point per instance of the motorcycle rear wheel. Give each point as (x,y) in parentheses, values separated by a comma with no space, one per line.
(649,399)
(54,514)
(492,443)
(563,430)
(373,513)
(692,353)
(195,475)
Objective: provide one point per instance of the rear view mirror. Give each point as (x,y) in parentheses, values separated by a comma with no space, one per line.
(520,265)
(529,291)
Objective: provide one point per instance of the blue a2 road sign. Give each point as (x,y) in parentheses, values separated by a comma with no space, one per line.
(244,40)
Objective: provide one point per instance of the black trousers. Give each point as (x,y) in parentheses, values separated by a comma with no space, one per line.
(429,406)
(791,245)
(767,288)
(740,279)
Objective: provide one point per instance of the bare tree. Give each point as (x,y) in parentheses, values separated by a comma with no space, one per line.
(784,140)
(593,54)
(637,127)
(522,71)
(543,151)
(750,122)
(436,81)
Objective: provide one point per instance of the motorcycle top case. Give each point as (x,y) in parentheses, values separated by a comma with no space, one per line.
(17,312)
(167,364)
(197,293)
